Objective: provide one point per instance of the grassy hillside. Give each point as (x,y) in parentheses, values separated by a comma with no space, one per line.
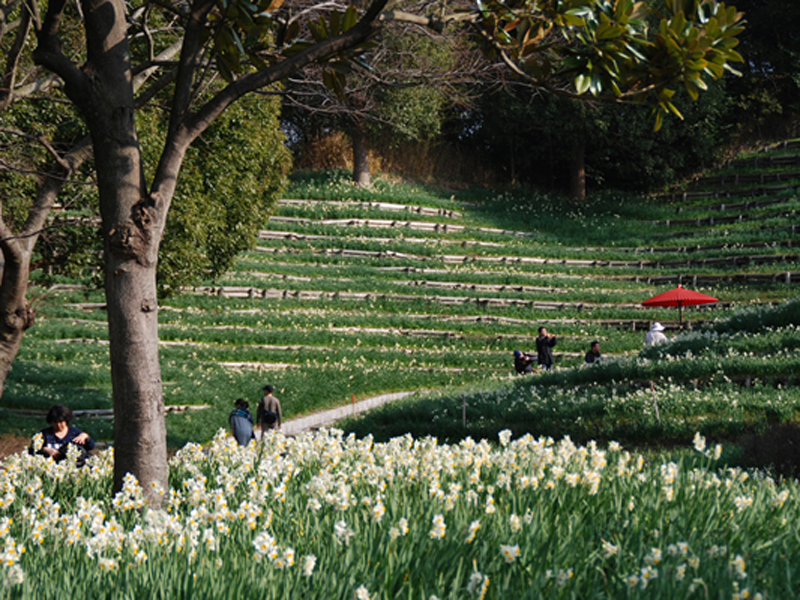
(734,377)
(353,293)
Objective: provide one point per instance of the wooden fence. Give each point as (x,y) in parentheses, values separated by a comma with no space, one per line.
(100,413)
(790,229)
(764,190)
(385,206)
(387,223)
(621,324)
(292,236)
(280,294)
(746,205)
(787,277)
(768,161)
(727,179)
(712,220)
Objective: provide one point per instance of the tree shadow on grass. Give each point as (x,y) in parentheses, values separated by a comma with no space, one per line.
(36,386)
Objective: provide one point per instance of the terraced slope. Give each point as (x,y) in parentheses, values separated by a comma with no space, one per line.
(352,293)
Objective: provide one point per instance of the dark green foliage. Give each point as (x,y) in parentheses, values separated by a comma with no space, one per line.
(758,318)
(531,139)
(767,96)
(229,183)
(413,112)
(24,165)
(406,102)
(776,449)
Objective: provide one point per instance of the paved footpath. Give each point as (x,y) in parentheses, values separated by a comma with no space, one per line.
(328,417)
(294,426)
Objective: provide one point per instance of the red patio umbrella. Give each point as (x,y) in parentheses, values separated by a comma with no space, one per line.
(679,297)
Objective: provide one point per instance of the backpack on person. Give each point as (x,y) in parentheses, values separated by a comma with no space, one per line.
(269,417)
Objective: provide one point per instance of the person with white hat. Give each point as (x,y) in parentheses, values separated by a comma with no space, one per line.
(655,335)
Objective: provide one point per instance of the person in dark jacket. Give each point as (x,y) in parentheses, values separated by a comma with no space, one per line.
(60,434)
(241,422)
(544,348)
(593,355)
(523,362)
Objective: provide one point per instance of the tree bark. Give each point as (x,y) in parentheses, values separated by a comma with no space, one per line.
(129,221)
(577,184)
(361,176)
(17,315)
(103,91)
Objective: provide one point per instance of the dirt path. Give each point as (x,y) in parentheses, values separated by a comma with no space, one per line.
(11,444)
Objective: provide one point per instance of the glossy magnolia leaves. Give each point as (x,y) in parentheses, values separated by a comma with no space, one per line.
(247,35)
(241,33)
(614,48)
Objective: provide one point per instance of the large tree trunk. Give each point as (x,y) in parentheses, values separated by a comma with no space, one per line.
(360,157)
(17,315)
(577,174)
(130,285)
(131,236)
(103,90)
(140,436)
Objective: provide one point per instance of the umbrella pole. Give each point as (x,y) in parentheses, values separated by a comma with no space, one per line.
(680,315)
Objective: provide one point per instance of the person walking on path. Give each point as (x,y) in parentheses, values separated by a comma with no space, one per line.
(523,362)
(593,355)
(655,335)
(544,349)
(268,413)
(241,422)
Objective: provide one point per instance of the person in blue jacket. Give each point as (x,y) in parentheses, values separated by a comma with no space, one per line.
(61,434)
(241,422)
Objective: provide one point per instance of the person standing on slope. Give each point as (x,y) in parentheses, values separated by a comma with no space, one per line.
(544,349)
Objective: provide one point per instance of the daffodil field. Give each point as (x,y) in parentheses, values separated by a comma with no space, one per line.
(330,516)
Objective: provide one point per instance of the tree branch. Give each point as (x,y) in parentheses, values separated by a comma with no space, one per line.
(150,68)
(49,54)
(39,139)
(185,129)
(52,185)
(6,10)
(187,66)
(14,54)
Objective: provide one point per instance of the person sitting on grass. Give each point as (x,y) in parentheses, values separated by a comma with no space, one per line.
(593,355)
(57,438)
(655,335)
(523,362)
